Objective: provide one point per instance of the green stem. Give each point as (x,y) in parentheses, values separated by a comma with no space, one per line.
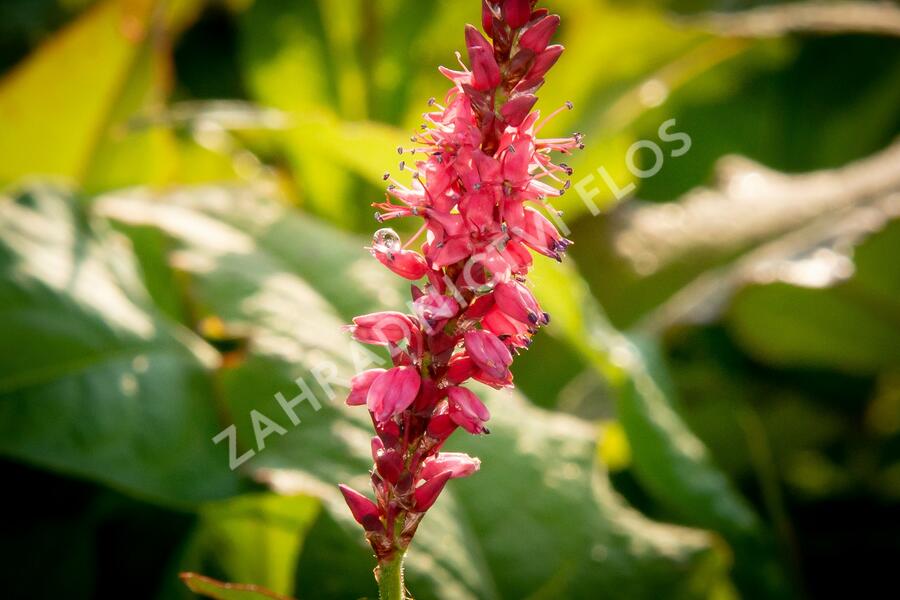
(390,578)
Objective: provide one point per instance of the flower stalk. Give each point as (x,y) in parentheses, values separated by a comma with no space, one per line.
(480,179)
(389,574)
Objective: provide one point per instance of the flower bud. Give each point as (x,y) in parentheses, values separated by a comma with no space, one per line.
(389,464)
(460,368)
(537,35)
(467,410)
(487,16)
(516,12)
(517,301)
(485,72)
(434,309)
(426,494)
(364,510)
(515,111)
(515,333)
(405,263)
(441,425)
(392,392)
(543,62)
(382,328)
(488,352)
(459,465)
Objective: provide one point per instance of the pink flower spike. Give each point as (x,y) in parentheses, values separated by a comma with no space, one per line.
(485,72)
(458,463)
(537,36)
(426,494)
(382,328)
(392,392)
(359,386)
(467,410)
(516,12)
(479,174)
(364,510)
(488,352)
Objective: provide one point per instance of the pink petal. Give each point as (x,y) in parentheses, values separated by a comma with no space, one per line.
(392,392)
(359,386)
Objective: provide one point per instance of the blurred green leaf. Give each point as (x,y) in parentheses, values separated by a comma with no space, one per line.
(94,381)
(836,328)
(774,99)
(668,459)
(255,538)
(40,100)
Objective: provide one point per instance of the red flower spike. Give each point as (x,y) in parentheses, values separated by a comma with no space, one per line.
(477,171)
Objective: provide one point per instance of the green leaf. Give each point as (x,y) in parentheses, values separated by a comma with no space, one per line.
(255,537)
(94,54)
(670,462)
(211,588)
(835,328)
(539,480)
(94,381)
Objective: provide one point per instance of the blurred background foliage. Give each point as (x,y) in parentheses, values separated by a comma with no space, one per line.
(188,188)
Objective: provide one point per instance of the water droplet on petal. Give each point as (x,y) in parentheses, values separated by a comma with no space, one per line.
(387,238)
